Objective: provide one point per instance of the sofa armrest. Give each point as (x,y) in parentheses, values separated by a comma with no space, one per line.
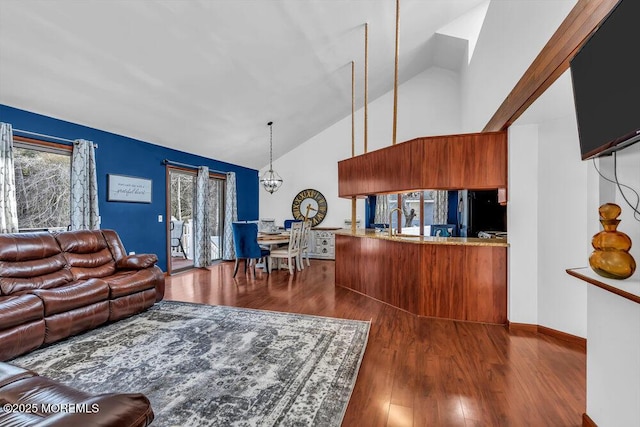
(137,262)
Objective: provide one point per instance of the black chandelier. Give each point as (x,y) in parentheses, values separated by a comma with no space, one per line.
(270,180)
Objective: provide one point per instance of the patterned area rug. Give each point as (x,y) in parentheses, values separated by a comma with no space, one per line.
(203,365)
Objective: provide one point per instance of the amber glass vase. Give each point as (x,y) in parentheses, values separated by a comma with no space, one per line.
(611,257)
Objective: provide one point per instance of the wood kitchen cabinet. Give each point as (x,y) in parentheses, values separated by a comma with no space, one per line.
(466,161)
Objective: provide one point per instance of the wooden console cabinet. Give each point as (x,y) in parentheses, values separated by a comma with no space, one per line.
(322,243)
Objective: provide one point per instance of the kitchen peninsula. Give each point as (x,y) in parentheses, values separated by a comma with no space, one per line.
(448,277)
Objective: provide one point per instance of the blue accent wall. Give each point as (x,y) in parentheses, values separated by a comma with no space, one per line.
(136,223)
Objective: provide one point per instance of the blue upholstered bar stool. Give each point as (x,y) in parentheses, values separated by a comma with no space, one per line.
(245,241)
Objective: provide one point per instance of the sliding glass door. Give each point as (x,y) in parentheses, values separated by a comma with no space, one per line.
(181,202)
(181,199)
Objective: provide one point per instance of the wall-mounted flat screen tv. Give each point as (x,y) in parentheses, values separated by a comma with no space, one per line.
(606,83)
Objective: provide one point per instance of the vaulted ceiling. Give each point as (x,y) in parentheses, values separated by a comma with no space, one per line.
(206,76)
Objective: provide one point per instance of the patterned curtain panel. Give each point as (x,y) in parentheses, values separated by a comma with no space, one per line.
(382,210)
(84,187)
(202,234)
(230,215)
(8,205)
(441,206)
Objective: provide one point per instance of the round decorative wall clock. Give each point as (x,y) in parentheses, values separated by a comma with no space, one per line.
(310,204)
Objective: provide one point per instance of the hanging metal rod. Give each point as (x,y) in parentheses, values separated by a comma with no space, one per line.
(41,135)
(366,85)
(395,79)
(185,165)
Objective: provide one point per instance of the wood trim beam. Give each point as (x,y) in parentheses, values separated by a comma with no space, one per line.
(552,61)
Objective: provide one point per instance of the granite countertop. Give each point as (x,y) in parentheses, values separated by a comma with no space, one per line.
(428,240)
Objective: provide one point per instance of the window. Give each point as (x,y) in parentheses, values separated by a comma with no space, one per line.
(411,210)
(43,174)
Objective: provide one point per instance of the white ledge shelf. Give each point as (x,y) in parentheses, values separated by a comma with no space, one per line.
(628,288)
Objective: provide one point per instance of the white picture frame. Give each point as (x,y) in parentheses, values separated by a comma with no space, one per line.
(124,188)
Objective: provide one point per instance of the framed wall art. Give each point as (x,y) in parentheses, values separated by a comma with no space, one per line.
(123,188)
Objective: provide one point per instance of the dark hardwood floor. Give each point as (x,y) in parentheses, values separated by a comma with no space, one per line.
(417,371)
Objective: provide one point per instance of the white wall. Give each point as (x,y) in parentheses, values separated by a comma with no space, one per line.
(513,34)
(613,353)
(628,171)
(522,224)
(548,185)
(562,222)
(428,104)
(547,223)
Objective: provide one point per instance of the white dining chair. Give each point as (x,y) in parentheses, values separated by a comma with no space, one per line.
(291,251)
(177,230)
(304,244)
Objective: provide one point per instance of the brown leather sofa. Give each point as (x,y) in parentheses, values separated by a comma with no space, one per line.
(27,399)
(56,285)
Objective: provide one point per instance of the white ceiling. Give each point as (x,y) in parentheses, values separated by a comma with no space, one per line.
(206,76)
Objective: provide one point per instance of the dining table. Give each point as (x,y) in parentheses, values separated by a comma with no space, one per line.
(273,239)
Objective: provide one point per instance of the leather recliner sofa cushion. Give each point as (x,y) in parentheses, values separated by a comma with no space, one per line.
(87,254)
(22,325)
(129,282)
(134,262)
(21,339)
(63,325)
(74,308)
(73,295)
(23,387)
(31,261)
(18,309)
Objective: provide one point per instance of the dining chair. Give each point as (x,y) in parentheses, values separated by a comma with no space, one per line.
(443,230)
(304,244)
(292,250)
(288,222)
(177,230)
(245,242)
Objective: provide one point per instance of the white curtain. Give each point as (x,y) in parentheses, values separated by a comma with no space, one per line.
(84,187)
(8,205)
(441,206)
(230,215)
(382,210)
(202,234)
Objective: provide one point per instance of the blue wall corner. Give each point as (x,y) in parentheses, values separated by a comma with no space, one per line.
(136,223)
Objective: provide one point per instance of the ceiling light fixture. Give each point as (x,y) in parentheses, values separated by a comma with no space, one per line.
(270,180)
